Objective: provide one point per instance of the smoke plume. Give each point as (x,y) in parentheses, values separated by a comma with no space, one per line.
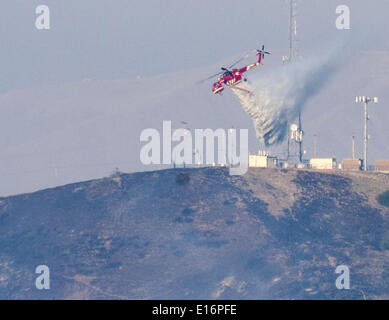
(278,96)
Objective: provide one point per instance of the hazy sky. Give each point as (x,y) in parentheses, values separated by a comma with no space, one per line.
(105,39)
(59,128)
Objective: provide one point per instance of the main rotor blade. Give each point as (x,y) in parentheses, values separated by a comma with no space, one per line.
(229,67)
(241,59)
(235,63)
(210,77)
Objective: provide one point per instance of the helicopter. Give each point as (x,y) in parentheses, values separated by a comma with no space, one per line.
(230,76)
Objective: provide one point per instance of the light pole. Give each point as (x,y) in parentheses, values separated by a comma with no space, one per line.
(231,152)
(315,146)
(353,147)
(365,100)
(185,134)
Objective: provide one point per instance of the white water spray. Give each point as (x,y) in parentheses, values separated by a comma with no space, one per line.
(278,96)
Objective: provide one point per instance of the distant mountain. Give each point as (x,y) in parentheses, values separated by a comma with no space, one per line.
(199,233)
(61,133)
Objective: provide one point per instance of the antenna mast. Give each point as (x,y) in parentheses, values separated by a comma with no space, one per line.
(293,55)
(292,31)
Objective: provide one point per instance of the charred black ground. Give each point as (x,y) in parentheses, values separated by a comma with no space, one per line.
(199,233)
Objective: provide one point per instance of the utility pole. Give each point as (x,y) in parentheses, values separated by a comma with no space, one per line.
(365,100)
(353,146)
(186,132)
(231,130)
(300,140)
(315,146)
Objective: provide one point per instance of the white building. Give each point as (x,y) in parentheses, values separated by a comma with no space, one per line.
(323,163)
(262,160)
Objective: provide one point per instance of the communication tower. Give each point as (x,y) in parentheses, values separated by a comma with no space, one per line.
(295,136)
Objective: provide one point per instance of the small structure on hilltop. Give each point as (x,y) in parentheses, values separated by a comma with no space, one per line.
(352,164)
(382,166)
(262,160)
(323,163)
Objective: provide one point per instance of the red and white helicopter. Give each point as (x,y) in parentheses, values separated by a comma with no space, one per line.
(232,77)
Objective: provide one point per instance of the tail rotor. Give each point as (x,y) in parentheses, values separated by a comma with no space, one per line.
(262,52)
